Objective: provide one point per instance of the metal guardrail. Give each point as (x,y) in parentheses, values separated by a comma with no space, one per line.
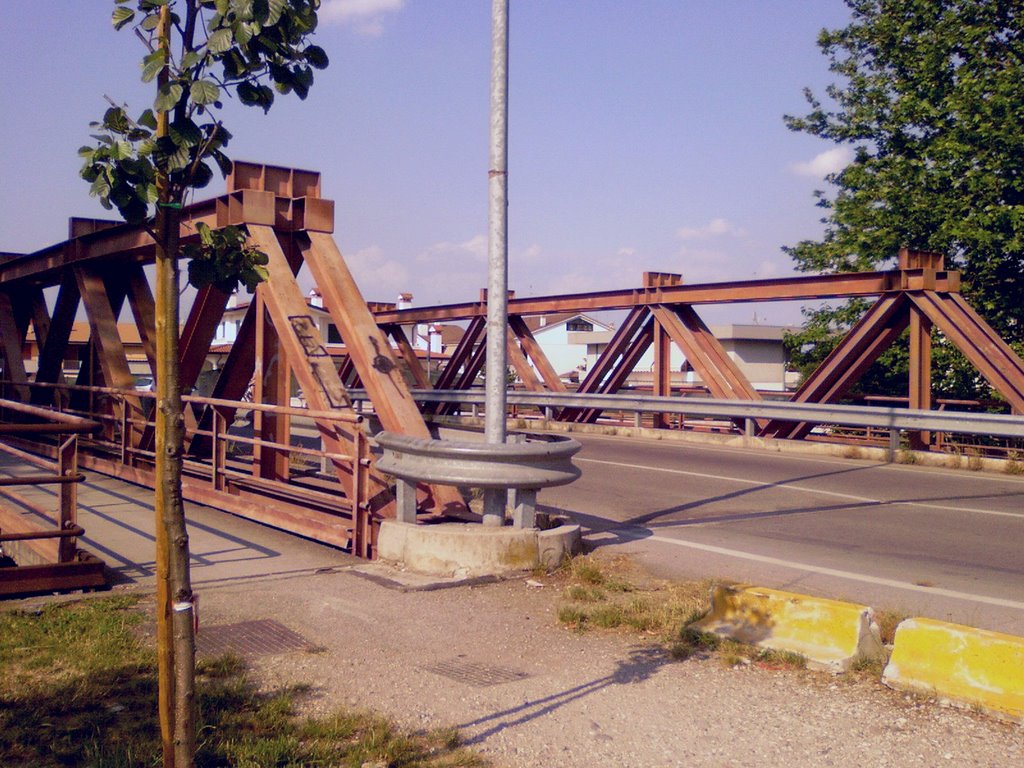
(523,466)
(896,420)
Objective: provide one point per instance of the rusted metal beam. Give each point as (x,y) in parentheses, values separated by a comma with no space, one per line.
(993,357)
(11,341)
(199,331)
(799,288)
(408,355)
(616,349)
(50,366)
(719,372)
(522,366)
(462,354)
(919,389)
(128,244)
(620,372)
(110,350)
(140,299)
(661,385)
(884,321)
(535,354)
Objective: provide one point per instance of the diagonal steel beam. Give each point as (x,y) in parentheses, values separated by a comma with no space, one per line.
(618,375)
(535,354)
(11,342)
(367,347)
(877,329)
(993,357)
(51,354)
(408,355)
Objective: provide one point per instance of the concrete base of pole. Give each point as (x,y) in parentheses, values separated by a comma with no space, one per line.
(468,550)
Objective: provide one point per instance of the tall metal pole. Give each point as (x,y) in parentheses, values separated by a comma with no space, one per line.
(497,251)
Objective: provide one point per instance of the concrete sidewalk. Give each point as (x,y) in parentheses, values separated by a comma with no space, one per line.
(493,660)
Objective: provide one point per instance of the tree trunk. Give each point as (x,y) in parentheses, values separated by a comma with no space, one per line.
(175,605)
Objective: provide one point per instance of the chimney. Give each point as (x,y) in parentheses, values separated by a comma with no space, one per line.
(316,299)
(404,301)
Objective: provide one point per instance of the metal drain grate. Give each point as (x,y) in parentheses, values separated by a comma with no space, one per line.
(477,675)
(249,638)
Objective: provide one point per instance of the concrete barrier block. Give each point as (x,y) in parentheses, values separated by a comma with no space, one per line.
(458,549)
(829,634)
(960,665)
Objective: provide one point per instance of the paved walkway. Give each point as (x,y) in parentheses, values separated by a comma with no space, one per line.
(493,660)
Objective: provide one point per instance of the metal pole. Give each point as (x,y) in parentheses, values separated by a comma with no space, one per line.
(497,251)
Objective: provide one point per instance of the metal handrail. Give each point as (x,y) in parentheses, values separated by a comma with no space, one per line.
(898,419)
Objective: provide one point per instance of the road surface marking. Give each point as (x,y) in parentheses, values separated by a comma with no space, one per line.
(803,489)
(850,575)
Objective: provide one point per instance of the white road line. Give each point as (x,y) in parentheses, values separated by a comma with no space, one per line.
(850,575)
(805,457)
(801,489)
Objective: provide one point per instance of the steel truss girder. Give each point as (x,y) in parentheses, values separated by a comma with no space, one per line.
(535,354)
(876,330)
(609,373)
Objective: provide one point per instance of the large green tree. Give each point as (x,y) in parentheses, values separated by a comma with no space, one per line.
(929,94)
(198,53)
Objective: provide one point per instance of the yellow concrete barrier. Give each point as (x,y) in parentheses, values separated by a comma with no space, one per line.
(830,634)
(960,665)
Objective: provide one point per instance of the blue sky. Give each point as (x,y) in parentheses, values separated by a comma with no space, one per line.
(644,135)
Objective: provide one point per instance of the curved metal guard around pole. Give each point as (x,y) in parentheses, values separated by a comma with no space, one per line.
(523,465)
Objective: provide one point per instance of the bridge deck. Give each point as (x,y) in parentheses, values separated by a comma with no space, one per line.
(119,525)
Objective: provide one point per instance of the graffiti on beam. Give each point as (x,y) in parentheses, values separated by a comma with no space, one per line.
(384,364)
(319,360)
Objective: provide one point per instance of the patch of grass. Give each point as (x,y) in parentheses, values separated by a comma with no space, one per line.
(599,595)
(906,456)
(582,593)
(887,622)
(79,688)
(776,659)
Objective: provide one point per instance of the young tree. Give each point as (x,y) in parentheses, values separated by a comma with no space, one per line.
(930,96)
(198,52)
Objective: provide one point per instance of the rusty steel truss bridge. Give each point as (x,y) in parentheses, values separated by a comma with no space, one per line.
(330,489)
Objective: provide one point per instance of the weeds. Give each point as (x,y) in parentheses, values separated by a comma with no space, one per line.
(80,689)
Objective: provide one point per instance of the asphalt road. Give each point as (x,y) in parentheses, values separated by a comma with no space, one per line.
(920,541)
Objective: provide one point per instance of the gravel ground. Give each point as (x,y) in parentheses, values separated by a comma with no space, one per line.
(524,691)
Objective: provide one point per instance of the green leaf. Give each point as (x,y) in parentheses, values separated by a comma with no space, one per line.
(152,65)
(168,97)
(190,60)
(204,92)
(219,41)
(151,22)
(100,187)
(316,56)
(185,133)
(148,119)
(274,10)
(120,150)
(223,162)
(205,234)
(122,17)
(114,119)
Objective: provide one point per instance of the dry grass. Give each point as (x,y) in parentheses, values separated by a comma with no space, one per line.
(606,594)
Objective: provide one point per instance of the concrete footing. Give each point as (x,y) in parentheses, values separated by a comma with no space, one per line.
(468,550)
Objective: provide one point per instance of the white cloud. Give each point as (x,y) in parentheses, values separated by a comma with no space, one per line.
(714,228)
(378,278)
(364,15)
(821,165)
(475,248)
